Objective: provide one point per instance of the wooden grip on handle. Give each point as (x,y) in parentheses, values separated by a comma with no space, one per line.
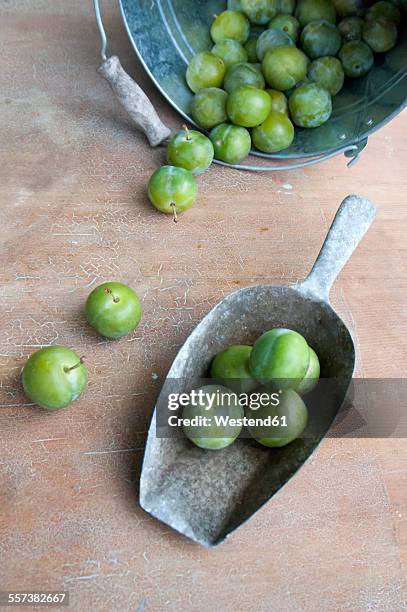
(135,101)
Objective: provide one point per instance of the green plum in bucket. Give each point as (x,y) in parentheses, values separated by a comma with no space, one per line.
(208,107)
(310,106)
(172,190)
(205,70)
(212,435)
(230,51)
(230,24)
(54,376)
(274,134)
(248,106)
(113,309)
(231,143)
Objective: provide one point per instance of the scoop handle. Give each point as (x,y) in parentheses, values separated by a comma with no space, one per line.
(350,224)
(135,101)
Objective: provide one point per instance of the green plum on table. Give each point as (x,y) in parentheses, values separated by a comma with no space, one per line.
(320,38)
(270,39)
(243,74)
(191,150)
(280,355)
(205,70)
(314,10)
(274,134)
(230,24)
(231,368)
(287,24)
(213,436)
(357,58)
(54,376)
(172,190)
(248,106)
(380,35)
(290,418)
(327,72)
(284,67)
(310,380)
(310,106)
(208,107)
(230,51)
(113,309)
(231,143)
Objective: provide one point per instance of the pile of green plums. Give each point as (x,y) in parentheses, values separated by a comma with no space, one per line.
(258,84)
(279,361)
(55,376)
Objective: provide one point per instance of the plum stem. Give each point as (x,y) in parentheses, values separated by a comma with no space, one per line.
(80,362)
(174,212)
(187,135)
(116,299)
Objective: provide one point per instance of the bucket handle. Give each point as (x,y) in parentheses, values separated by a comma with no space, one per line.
(350,224)
(129,94)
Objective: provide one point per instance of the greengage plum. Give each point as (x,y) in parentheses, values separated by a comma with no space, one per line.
(54,376)
(286,7)
(205,70)
(327,72)
(113,309)
(243,74)
(191,150)
(231,366)
(172,190)
(216,401)
(259,11)
(315,10)
(274,134)
(284,67)
(248,106)
(356,57)
(280,355)
(230,51)
(231,143)
(230,24)
(288,420)
(320,38)
(380,35)
(348,8)
(310,380)
(208,107)
(287,24)
(351,28)
(251,49)
(270,39)
(383,9)
(279,102)
(310,106)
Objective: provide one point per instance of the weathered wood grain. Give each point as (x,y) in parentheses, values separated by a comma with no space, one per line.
(74,213)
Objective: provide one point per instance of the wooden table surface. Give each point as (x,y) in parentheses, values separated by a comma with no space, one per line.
(74,213)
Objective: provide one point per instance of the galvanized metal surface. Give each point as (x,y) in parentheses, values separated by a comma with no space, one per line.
(167,33)
(207,494)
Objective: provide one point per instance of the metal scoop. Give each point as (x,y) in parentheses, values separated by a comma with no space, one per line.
(207,494)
